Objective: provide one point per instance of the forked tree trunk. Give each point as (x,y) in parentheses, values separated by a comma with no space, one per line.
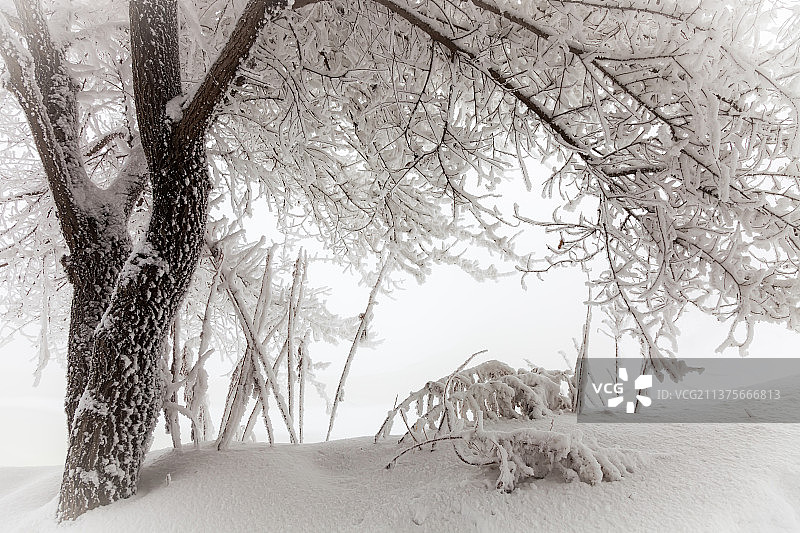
(117,412)
(123,303)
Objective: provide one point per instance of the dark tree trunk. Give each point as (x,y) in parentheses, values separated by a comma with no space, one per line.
(93,273)
(118,410)
(123,302)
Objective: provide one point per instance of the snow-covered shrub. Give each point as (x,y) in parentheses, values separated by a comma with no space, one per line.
(453,409)
(527,452)
(492,388)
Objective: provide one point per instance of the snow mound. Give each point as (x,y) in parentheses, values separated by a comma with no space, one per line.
(688,477)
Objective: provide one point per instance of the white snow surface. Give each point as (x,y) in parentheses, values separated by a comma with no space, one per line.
(690,477)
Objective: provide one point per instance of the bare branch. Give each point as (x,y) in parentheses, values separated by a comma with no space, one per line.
(156,71)
(217,81)
(54,82)
(366,316)
(59,165)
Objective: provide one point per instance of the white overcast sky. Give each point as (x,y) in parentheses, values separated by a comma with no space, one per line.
(427,331)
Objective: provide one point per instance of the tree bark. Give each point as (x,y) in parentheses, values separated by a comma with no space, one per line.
(94,231)
(93,274)
(123,303)
(118,410)
(116,414)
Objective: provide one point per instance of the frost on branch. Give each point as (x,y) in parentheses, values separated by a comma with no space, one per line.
(492,388)
(673,144)
(669,130)
(453,409)
(526,453)
(251,303)
(390,127)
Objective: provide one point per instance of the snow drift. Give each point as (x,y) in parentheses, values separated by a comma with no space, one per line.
(689,477)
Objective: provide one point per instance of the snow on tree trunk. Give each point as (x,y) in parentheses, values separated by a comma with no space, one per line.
(93,274)
(681,131)
(118,410)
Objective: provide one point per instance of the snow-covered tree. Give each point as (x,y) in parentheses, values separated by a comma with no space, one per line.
(454,408)
(123,302)
(385,128)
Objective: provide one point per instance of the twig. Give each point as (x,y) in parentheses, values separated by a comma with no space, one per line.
(362,329)
(246,322)
(445,400)
(419,445)
(405,421)
(294,296)
(303,363)
(464,460)
(177,359)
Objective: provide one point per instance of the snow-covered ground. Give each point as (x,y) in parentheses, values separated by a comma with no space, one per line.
(692,477)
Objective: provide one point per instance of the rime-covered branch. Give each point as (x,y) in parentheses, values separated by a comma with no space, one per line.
(360,335)
(491,388)
(246,323)
(43,89)
(219,78)
(456,406)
